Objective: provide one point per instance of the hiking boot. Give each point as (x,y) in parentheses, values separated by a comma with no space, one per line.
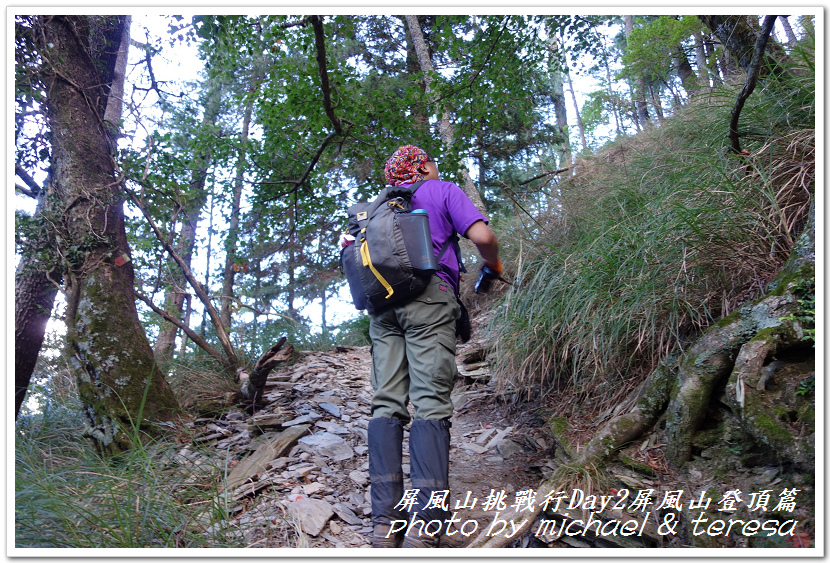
(414,541)
(379,538)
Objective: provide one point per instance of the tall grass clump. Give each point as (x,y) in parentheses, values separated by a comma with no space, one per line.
(159,494)
(657,237)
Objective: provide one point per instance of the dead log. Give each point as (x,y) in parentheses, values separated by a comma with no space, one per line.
(252,381)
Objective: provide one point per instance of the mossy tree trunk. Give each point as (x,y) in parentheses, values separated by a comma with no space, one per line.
(35,288)
(735,349)
(738,35)
(119,383)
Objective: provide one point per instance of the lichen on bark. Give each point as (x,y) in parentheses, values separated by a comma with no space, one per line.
(120,386)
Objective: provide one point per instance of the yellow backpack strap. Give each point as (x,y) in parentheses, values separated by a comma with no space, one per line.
(367,261)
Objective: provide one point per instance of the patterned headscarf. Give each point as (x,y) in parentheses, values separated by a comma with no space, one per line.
(402,166)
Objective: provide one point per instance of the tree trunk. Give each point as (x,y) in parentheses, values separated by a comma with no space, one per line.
(611,96)
(639,83)
(654,94)
(685,72)
(39,271)
(175,298)
(115,99)
(557,93)
(208,253)
(788,30)
(118,381)
(229,273)
(578,115)
(420,115)
(738,35)
(445,128)
(35,288)
(702,64)
(293,243)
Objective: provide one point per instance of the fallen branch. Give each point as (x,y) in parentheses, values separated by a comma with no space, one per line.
(253,383)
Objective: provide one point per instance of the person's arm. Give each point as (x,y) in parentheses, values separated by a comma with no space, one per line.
(487,244)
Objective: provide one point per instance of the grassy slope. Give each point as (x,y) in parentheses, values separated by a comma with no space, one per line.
(654,239)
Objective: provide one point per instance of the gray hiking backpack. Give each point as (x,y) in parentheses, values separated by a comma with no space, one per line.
(391,259)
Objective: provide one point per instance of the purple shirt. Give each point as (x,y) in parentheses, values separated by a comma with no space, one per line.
(449,210)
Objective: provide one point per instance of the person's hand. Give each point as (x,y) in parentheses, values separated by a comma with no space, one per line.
(487,275)
(498,267)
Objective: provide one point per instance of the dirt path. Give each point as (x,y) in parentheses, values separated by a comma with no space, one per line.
(317,487)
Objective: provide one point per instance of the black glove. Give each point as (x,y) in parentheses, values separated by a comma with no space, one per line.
(485,278)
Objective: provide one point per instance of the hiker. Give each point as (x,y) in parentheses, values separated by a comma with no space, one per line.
(413,359)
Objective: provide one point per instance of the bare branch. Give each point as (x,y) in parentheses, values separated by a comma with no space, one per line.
(751,80)
(306,173)
(221,333)
(506,189)
(27,178)
(545,174)
(325,85)
(25,191)
(194,336)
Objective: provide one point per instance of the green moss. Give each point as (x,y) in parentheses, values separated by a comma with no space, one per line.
(766,334)
(770,429)
(708,438)
(727,320)
(807,414)
(637,466)
(785,282)
(558,427)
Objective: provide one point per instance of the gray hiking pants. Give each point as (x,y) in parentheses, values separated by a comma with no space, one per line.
(413,355)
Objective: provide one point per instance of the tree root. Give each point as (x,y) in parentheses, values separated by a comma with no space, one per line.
(735,348)
(653,396)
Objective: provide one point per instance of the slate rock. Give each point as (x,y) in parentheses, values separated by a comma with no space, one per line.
(258,462)
(346,514)
(311,514)
(508,448)
(330,408)
(313,488)
(305,419)
(359,477)
(328,445)
(332,427)
(473,448)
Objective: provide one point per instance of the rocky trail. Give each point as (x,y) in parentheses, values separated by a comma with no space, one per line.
(296,471)
(302,457)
